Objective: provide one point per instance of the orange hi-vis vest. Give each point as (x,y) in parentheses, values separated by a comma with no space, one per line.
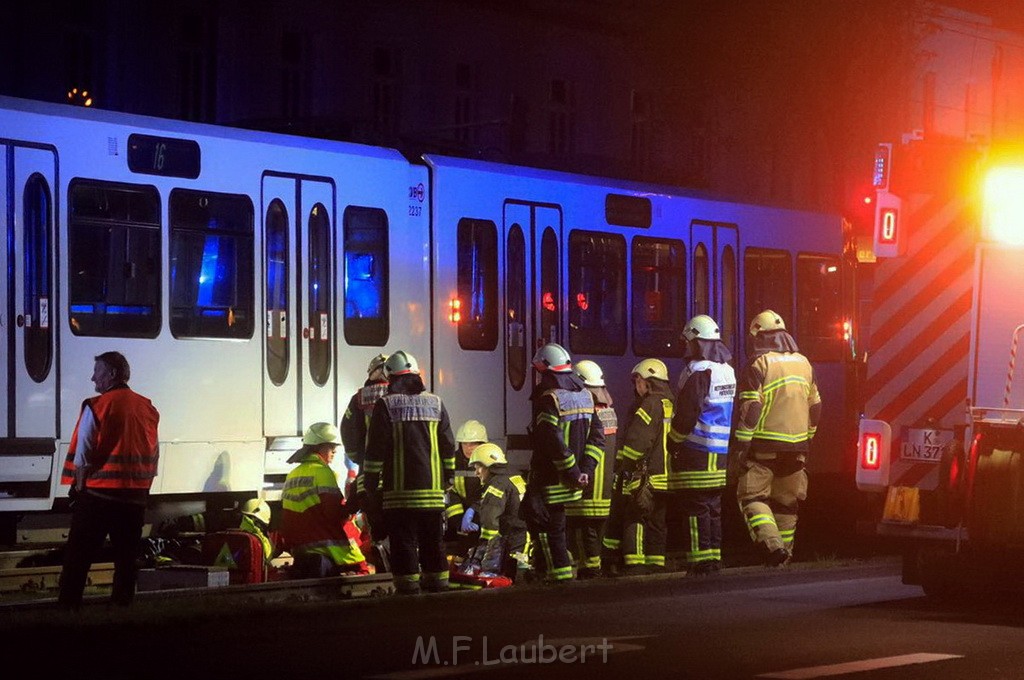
(125,455)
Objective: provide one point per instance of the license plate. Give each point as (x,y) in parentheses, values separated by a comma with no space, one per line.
(925,444)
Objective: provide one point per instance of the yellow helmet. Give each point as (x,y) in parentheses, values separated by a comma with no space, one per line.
(321,433)
(487,455)
(256,508)
(766,321)
(471,431)
(402,363)
(652,368)
(590,373)
(702,326)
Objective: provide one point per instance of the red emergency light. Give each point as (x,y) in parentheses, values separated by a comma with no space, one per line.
(870,451)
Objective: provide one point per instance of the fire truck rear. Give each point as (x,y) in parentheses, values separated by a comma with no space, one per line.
(943,439)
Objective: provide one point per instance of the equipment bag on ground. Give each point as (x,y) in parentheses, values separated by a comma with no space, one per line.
(239,551)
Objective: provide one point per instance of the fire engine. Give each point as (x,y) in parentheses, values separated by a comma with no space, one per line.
(943,432)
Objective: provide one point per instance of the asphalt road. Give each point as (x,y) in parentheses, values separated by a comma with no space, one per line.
(746,623)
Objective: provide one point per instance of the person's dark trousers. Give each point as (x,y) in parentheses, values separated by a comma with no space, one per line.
(92,519)
(551,554)
(656,533)
(587,534)
(417,542)
(702,515)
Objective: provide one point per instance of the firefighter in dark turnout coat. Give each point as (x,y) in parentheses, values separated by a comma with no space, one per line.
(586,518)
(410,457)
(564,425)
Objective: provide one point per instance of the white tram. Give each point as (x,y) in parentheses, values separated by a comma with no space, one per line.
(249,277)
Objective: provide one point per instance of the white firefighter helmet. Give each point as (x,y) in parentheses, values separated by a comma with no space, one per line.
(552,357)
(402,363)
(471,431)
(766,321)
(487,455)
(321,433)
(652,368)
(376,365)
(590,373)
(703,327)
(254,507)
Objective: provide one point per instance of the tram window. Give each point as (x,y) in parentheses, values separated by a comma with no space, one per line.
(114,262)
(277,293)
(701,281)
(211,263)
(515,296)
(477,284)
(366,276)
(659,296)
(597,293)
(38,221)
(730,301)
(551,291)
(768,283)
(819,323)
(318,293)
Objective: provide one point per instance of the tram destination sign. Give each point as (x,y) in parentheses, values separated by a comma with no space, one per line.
(165,156)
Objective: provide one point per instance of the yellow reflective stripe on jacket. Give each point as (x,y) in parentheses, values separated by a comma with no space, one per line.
(497,493)
(644,416)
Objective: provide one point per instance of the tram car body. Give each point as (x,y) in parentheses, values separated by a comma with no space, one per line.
(249,278)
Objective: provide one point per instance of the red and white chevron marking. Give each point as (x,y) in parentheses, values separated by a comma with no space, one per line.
(920,318)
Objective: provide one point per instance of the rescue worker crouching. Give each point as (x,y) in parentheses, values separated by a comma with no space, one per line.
(778,408)
(586,518)
(316,525)
(502,532)
(699,441)
(464,493)
(252,516)
(565,424)
(642,458)
(410,457)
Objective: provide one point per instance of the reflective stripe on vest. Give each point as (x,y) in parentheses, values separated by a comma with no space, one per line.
(711,432)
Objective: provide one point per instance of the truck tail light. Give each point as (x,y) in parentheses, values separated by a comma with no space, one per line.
(874,443)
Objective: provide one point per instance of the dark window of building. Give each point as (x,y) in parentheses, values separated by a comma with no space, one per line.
(767,283)
(819,325)
(597,292)
(561,119)
(114,261)
(477,284)
(211,263)
(385,91)
(659,296)
(37,257)
(278,292)
(366,276)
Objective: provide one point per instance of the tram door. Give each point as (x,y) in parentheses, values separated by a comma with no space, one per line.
(533,297)
(714,278)
(29,398)
(298,276)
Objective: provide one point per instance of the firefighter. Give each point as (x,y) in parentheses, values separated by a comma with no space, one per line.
(564,425)
(586,518)
(464,492)
(253,517)
(354,425)
(642,461)
(410,457)
(699,441)
(778,407)
(316,524)
(502,532)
